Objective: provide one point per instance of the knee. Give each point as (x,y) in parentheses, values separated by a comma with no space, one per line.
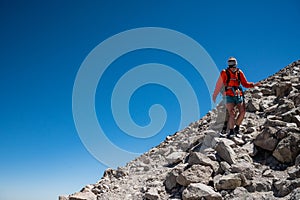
(231,113)
(242,111)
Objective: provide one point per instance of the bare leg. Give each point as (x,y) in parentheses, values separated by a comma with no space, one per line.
(242,111)
(231,120)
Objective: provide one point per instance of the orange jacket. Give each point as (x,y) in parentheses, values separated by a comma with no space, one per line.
(234,82)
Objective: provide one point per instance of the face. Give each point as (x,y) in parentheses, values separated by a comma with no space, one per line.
(233,69)
(232,65)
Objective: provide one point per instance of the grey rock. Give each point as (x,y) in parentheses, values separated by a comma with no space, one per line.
(152,194)
(266,139)
(240,193)
(198,191)
(259,185)
(253,105)
(268,173)
(195,174)
(288,149)
(227,182)
(282,187)
(274,123)
(250,148)
(175,157)
(208,141)
(296,119)
(170,181)
(271,109)
(200,158)
(295,194)
(297,160)
(83,196)
(62,198)
(225,166)
(226,152)
(267,92)
(245,168)
(282,89)
(294,172)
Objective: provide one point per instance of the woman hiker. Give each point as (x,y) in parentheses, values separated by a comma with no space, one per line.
(229,84)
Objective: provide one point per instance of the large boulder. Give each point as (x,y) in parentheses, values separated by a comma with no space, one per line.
(288,148)
(267,139)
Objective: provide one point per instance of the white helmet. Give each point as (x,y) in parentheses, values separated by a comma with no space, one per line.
(232,62)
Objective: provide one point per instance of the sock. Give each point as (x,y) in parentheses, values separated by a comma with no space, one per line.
(231,132)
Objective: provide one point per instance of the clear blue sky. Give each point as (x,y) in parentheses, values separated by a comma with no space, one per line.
(43,45)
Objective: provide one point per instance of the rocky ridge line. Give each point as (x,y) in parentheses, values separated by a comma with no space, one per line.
(196,163)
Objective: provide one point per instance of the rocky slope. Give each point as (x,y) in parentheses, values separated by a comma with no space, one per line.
(196,163)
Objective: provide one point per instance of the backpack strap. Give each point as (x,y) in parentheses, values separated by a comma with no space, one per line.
(228,76)
(239,76)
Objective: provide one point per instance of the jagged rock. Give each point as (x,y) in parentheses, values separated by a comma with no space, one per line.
(62,198)
(240,193)
(294,172)
(266,139)
(274,123)
(228,182)
(83,196)
(226,152)
(271,109)
(211,154)
(225,166)
(296,99)
(251,129)
(250,148)
(195,174)
(175,157)
(259,185)
(198,191)
(284,187)
(170,181)
(208,141)
(267,92)
(296,119)
(253,105)
(295,195)
(285,106)
(297,160)
(199,158)
(288,149)
(282,89)
(109,173)
(152,194)
(245,168)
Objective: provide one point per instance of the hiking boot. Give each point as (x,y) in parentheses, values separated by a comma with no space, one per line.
(231,134)
(237,131)
(223,133)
